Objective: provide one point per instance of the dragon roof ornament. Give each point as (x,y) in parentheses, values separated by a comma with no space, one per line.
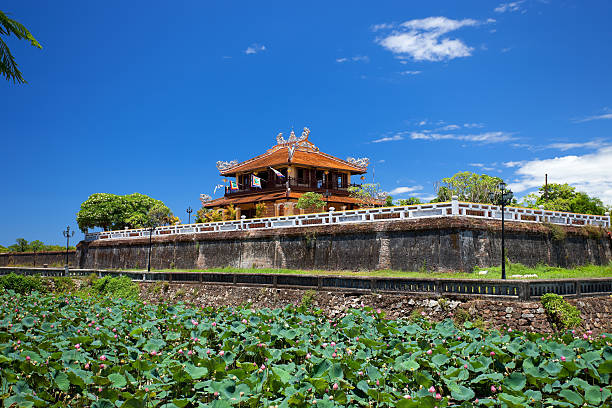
(359,162)
(224,165)
(204,198)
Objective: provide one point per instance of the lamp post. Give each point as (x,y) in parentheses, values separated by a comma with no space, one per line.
(189,211)
(503,198)
(67,234)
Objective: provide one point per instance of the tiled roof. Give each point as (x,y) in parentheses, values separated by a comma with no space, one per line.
(305,154)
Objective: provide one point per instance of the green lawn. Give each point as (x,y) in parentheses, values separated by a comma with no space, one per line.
(542,272)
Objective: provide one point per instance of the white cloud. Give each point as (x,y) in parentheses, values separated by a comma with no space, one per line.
(422,123)
(595,144)
(596,117)
(509,7)
(389,139)
(473,125)
(589,173)
(403,190)
(476,164)
(356,58)
(410,72)
(487,137)
(423,39)
(450,127)
(254,49)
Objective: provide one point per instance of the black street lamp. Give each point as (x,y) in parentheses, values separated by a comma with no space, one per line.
(503,198)
(189,211)
(67,234)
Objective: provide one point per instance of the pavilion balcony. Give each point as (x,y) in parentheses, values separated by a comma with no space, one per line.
(280,184)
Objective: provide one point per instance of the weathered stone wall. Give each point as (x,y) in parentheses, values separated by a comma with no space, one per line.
(56,258)
(596,312)
(457,243)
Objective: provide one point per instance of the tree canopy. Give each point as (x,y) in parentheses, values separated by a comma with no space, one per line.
(468,186)
(369,195)
(8,65)
(563,197)
(311,201)
(114,212)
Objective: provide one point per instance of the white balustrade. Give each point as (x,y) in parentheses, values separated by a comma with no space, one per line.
(446,209)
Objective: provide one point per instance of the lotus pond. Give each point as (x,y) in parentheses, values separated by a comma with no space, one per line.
(79,352)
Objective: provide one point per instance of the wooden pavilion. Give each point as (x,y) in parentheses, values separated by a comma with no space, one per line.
(286,171)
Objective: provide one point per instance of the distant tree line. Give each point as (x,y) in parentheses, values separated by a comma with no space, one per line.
(22,245)
(475,188)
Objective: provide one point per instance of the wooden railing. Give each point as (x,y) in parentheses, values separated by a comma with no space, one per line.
(447,209)
(496,288)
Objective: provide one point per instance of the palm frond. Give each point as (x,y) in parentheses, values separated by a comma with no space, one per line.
(8,66)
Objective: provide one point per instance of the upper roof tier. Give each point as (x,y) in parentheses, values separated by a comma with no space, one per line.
(300,151)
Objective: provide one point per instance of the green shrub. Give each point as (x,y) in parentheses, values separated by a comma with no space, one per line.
(307,299)
(63,284)
(461,316)
(562,314)
(558,232)
(119,287)
(22,284)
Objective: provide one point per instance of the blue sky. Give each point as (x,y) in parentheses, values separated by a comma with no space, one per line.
(146,96)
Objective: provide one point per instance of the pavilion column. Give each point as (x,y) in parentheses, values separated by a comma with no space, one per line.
(289,206)
(238,213)
(277,209)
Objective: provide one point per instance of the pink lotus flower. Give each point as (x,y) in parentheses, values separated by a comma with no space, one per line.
(114,330)
(308,355)
(103,357)
(263,367)
(244,321)
(562,358)
(194,322)
(28,358)
(465,366)
(334,355)
(360,373)
(438,396)
(407,397)
(492,353)
(87,366)
(429,352)
(335,386)
(333,344)
(214,324)
(77,346)
(432,389)
(493,389)
(146,389)
(476,401)
(221,353)
(180,351)
(377,382)
(189,352)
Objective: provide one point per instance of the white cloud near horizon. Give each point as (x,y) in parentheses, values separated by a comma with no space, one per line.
(423,39)
(589,173)
(254,49)
(405,189)
(410,72)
